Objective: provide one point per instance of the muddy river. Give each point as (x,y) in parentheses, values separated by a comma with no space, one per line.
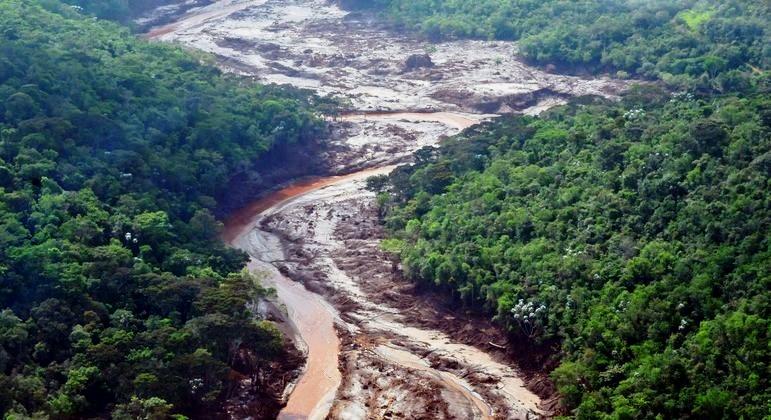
(374,348)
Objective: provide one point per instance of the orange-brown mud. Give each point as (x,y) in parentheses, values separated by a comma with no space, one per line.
(390,364)
(239,220)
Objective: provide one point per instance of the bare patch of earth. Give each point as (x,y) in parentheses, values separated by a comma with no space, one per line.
(314,44)
(396,345)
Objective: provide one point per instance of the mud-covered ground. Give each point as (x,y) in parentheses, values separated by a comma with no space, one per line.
(374,346)
(316,45)
(168,11)
(401,354)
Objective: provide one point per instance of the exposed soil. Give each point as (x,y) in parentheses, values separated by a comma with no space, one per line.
(331,245)
(381,278)
(285,163)
(316,45)
(375,345)
(260,392)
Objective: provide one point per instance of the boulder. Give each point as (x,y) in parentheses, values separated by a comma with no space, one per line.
(418,61)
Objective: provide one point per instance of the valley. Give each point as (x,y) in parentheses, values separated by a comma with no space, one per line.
(375,348)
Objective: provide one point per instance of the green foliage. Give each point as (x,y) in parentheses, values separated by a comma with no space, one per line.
(642,230)
(392,245)
(150,409)
(695,18)
(117,295)
(675,40)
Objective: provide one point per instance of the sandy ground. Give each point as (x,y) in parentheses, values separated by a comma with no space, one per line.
(374,347)
(331,245)
(314,44)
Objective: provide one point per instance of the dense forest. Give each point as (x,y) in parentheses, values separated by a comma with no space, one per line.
(681,41)
(118,298)
(633,236)
(637,234)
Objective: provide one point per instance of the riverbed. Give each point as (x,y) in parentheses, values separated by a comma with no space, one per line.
(369,351)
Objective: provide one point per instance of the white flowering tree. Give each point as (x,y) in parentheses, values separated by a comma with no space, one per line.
(530,316)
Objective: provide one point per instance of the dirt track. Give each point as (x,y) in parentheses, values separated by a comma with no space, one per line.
(375,348)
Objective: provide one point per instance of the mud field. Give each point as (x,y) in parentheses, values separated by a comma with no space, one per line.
(374,346)
(393,364)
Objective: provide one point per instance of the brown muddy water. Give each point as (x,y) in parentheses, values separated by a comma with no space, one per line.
(311,318)
(315,321)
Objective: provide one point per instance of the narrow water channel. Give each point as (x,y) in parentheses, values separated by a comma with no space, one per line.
(311,317)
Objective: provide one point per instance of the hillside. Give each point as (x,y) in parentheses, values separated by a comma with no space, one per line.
(604,256)
(635,235)
(118,295)
(631,238)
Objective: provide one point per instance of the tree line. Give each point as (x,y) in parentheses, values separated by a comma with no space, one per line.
(636,235)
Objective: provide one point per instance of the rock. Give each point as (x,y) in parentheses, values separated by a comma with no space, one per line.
(435,77)
(418,61)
